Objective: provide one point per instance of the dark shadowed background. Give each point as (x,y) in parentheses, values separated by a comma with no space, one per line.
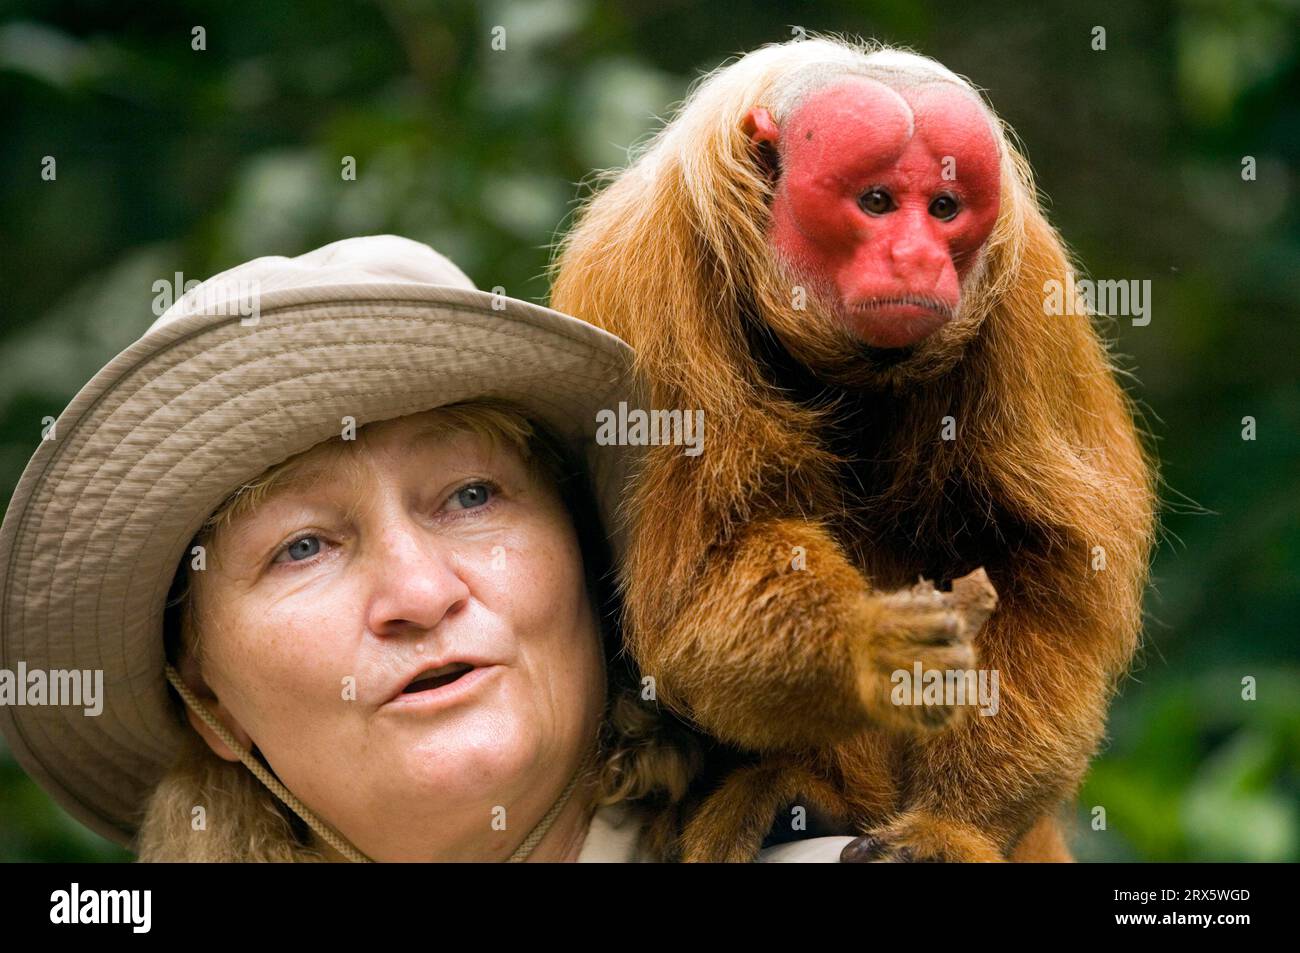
(171,159)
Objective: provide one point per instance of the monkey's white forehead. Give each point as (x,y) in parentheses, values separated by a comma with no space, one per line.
(895,69)
(912,64)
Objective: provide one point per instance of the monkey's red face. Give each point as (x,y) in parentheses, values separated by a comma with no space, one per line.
(885,201)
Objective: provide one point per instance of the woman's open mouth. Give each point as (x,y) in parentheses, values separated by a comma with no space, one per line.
(438,677)
(441,686)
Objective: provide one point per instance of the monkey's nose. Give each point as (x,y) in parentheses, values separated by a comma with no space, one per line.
(920,264)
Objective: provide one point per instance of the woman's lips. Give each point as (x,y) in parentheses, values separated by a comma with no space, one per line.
(438,677)
(431,692)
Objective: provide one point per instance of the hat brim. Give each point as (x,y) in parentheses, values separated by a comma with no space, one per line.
(162,435)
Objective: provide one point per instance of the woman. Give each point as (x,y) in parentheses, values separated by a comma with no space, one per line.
(340,503)
(309,674)
(403,623)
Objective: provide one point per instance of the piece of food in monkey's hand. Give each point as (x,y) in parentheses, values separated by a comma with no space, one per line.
(936,630)
(975,598)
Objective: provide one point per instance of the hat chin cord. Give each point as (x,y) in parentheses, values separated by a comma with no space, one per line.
(323,830)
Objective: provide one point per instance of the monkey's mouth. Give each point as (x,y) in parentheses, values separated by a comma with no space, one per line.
(906,305)
(897,323)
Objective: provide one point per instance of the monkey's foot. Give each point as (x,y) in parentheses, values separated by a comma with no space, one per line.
(919,837)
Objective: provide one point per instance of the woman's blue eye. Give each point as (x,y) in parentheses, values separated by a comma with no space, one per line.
(304,548)
(476,494)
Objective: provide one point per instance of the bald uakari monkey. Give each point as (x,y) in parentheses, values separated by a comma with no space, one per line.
(836,253)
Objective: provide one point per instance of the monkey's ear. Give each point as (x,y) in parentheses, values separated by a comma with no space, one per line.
(759,125)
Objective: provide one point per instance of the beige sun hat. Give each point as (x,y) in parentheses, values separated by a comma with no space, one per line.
(253,366)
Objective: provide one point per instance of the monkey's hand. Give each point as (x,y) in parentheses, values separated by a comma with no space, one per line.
(926,627)
(921,837)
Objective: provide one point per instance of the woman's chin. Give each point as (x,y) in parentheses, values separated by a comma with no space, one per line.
(481,752)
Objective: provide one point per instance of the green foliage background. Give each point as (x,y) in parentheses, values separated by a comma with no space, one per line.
(174,160)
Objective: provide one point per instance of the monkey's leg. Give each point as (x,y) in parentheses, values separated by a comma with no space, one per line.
(1044,843)
(729,826)
(777,642)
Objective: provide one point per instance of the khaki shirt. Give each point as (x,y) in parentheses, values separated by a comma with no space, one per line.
(612,839)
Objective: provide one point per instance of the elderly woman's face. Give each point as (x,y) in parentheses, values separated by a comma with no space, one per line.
(406,636)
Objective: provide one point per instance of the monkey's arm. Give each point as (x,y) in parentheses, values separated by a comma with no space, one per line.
(980,784)
(779,642)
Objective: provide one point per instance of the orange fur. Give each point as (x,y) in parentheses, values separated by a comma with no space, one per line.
(808,451)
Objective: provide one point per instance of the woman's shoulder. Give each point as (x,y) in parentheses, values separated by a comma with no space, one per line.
(813,850)
(614,837)
(615,834)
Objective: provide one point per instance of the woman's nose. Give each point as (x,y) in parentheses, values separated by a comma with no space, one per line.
(414,580)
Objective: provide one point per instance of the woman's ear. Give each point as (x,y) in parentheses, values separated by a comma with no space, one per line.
(192,675)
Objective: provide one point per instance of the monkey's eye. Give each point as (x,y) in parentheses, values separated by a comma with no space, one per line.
(876,202)
(944,208)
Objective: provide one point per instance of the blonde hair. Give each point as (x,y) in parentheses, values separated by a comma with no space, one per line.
(641,756)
